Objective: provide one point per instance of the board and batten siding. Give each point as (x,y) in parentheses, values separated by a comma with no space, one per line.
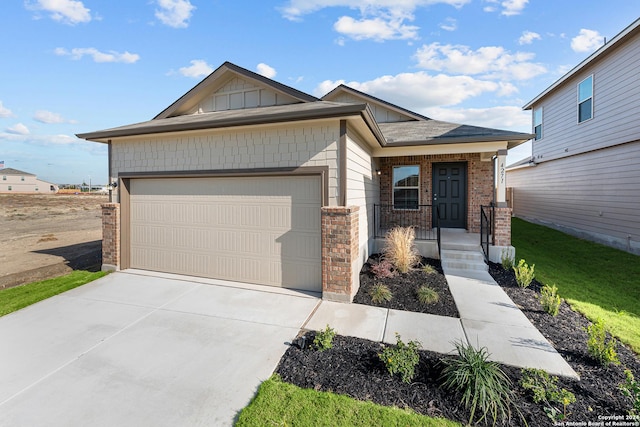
(275,147)
(363,190)
(616,90)
(382,114)
(595,195)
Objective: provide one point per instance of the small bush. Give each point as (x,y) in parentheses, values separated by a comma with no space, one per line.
(550,299)
(483,385)
(631,389)
(399,248)
(401,359)
(524,273)
(544,389)
(506,260)
(324,339)
(428,269)
(383,269)
(426,295)
(599,348)
(380,293)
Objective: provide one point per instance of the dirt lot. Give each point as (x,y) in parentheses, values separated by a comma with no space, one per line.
(48,235)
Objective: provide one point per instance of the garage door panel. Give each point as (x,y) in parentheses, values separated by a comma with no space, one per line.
(259,230)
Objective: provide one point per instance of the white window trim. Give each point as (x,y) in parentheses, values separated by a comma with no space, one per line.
(533,113)
(578,99)
(393,187)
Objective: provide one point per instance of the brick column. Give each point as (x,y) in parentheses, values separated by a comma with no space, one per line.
(340,247)
(110,236)
(502,227)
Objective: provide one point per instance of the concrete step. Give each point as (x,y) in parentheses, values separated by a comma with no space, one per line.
(464,265)
(470,247)
(453,254)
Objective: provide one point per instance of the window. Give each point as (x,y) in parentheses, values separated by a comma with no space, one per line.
(585,99)
(9,188)
(22,178)
(406,187)
(4,177)
(537,123)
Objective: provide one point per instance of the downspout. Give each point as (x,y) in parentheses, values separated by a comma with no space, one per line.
(342,164)
(109,172)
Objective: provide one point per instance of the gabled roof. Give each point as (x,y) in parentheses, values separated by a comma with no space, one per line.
(372,99)
(604,50)
(12,171)
(205,86)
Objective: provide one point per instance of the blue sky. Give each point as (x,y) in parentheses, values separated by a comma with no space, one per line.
(74,66)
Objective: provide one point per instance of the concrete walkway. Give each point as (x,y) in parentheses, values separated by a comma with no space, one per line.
(488,317)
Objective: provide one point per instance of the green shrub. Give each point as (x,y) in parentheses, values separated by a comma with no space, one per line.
(631,389)
(324,339)
(524,273)
(545,390)
(426,295)
(380,293)
(400,250)
(599,348)
(401,359)
(483,385)
(428,269)
(383,269)
(550,299)
(506,260)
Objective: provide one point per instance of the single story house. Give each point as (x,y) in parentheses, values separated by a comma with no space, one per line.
(246,179)
(584,174)
(16,181)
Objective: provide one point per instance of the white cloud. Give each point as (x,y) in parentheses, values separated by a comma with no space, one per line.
(501,117)
(265,70)
(490,61)
(587,41)
(4,111)
(378,28)
(18,129)
(98,56)
(528,37)
(449,24)
(44,140)
(509,7)
(66,11)
(175,13)
(44,116)
(198,68)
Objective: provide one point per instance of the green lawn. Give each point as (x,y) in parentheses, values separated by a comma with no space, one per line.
(596,280)
(282,404)
(13,299)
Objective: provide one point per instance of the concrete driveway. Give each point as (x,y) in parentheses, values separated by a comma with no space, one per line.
(137,350)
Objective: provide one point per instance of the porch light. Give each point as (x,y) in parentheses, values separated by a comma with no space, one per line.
(378,172)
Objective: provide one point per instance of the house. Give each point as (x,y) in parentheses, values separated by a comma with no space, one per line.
(246,179)
(584,174)
(16,181)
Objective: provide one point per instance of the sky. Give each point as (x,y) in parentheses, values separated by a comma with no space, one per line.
(74,66)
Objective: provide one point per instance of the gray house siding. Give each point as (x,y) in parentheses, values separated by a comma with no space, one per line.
(595,195)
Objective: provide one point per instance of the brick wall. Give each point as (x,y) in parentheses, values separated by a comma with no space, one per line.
(479,181)
(340,232)
(502,226)
(110,236)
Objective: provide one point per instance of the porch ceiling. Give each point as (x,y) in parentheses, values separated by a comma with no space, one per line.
(487,149)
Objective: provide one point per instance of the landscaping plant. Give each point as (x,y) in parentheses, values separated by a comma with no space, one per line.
(401,359)
(506,260)
(400,250)
(599,348)
(324,339)
(545,390)
(382,269)
(483,385)
(524,273)
(550,299)
(380,293)
(631,389)
(428,269)
(426,295)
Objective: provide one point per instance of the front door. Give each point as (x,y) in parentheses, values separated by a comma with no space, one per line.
(450,194)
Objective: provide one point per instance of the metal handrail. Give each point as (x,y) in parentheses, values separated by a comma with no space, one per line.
(386,217)
(437,225)
(486,228)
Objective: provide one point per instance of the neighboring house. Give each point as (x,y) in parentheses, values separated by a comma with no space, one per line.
(15,181)
(246,179)
(584,175)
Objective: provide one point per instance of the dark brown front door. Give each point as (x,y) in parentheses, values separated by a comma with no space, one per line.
(450,194)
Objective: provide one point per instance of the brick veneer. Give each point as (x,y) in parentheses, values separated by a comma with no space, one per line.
(502,226)
(340,231)
(480,181)
(110,236)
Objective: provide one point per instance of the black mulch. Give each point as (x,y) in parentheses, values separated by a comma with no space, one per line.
(404,287)
(353,368)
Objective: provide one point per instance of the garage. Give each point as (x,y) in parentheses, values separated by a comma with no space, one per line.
(257,229)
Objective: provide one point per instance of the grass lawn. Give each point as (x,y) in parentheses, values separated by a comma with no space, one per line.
(596,280)
(13,299)
(281,404)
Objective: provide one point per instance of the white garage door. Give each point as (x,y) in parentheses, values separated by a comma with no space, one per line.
(263,230)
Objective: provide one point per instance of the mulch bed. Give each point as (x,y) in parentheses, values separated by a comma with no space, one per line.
(352,367)
(404,287)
